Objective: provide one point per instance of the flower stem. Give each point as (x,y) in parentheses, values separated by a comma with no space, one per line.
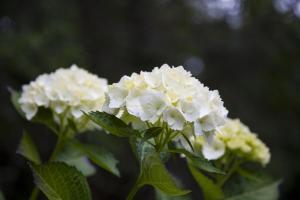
(34,194)
(233,169)
(133,191)
(58,146)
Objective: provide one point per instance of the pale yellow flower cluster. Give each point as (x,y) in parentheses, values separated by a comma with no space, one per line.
(70,90)
(236,138)
(170,95)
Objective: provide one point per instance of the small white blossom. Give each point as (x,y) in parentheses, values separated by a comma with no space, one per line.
(214,150)
(70,90)
(174,118)
(236,138)
(167,95)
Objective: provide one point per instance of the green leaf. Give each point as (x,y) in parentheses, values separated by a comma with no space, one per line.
(161,196)
(99,156)
(83,165)
(151,133)
(154,173)
(28,149)
(76,158)
(15,96)
(45,116)
(269,191)
(210,190)
(198,161)
(254,184)
(112,124)
(1,196)
(59,181)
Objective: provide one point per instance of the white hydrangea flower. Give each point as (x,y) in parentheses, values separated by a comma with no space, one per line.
(213,151)
(235,137)
(70,90)
(167,95)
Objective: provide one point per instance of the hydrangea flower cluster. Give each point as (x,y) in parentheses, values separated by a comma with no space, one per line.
(235,137)
(167,95)
(71,90)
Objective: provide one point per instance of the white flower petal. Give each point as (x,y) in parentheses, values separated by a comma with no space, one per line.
(59,107)
(117,96)
(213,151)
(30,110)
(147,105)
(61,89)
(106,108)
(189,110)
(149,93)
(77,112)
(198,128)
(174,118)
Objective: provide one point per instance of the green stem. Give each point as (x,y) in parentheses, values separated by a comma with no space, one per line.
(160,140)
(59,144)
(34,193)
(233,169)
(57,148)
(133,191)
(166,140)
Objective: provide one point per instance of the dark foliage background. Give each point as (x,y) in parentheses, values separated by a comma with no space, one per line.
(250,53)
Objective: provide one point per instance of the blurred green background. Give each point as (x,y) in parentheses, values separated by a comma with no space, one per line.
(247,49)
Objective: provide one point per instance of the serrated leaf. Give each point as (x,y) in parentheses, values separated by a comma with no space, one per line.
(45,116)
(112,124)
(197,161)
(59,181)
(99,156)
(76,158)
(14,97)
(153,172)
(269,191)
(28,149)
(210,190)
(151,133)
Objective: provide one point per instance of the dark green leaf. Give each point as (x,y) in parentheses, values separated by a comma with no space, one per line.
(76,158)
(161,196)
(1,196)
(59,181)
(112,124)
(154,173)
(269,191)
(28,149)
(99,156)
(197,161)
(256,185)
(210,190)
(15,96)
(151,133)
(45,116)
